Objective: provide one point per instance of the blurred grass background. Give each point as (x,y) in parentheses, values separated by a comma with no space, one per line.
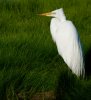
(29,61)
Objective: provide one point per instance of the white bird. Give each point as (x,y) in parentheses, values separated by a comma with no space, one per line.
(65,35)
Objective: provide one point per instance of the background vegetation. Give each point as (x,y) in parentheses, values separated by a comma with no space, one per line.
(29,61)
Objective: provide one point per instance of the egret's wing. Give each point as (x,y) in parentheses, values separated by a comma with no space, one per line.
(69,47)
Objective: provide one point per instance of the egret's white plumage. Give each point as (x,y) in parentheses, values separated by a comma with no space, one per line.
(65,36)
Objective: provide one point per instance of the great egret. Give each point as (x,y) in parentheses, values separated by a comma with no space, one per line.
(65,35)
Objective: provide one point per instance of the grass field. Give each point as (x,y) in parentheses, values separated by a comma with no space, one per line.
(29,61)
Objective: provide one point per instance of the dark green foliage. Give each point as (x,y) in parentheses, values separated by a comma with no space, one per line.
(29,61)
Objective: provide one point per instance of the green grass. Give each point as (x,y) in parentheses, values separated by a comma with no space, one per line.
(29,61)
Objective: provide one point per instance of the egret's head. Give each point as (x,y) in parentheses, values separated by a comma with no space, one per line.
(56,13)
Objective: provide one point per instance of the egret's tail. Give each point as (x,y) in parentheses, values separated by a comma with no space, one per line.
(78,67)
(76,63)
(73,57)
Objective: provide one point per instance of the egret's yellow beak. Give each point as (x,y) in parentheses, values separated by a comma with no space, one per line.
(45,14)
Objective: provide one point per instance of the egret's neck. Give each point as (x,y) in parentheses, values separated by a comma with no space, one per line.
(62,17)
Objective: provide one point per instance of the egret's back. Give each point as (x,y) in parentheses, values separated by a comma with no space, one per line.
(68,44)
